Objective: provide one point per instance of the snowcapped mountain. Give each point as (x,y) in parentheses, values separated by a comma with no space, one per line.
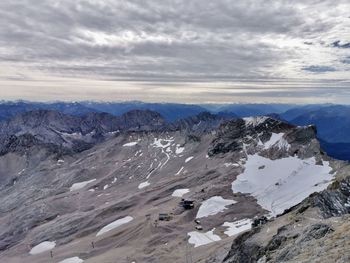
(120,198)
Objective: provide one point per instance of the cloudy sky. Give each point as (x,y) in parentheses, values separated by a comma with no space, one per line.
(190,51)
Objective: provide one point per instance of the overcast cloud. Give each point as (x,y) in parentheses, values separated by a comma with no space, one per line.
(179,50)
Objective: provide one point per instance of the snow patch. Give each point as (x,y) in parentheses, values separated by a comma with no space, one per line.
(180,192)
(162,143)
(277,140)
(143,185)
(114,225)
(231,164)
(237,227)
(282,183)
(72,260)
(59,162)
(179,171)
(200,239)
(130,144)
(188,159)
(213,205)
(254,121)
(179,149)
(80,185)
(42,247)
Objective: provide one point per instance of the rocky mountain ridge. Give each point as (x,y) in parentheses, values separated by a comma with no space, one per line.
(119,185)
(77,133)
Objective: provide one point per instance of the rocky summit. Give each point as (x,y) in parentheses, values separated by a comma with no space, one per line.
(135,188)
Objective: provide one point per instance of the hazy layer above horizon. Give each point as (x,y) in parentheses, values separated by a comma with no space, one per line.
(175,51)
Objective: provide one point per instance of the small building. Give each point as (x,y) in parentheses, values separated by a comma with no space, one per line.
(199,228)
(187,204)
(164,217)
(259,221)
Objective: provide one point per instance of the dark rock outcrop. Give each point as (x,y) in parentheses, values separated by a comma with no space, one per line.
(236,134)
(333,202)
(290,242)
(199,124)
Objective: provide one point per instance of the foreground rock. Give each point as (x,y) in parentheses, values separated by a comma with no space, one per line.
(314,231)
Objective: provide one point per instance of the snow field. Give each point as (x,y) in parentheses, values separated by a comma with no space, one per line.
(276,188)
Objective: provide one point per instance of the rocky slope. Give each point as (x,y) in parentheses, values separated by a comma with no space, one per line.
(314,231)
(103,204)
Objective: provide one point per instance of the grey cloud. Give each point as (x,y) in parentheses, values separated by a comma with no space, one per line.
(338,44)
(319,69)
(346,60)
(170,41)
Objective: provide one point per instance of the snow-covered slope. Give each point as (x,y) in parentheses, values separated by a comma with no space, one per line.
(280,184)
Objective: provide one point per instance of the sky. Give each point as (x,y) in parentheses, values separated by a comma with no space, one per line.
(187,51)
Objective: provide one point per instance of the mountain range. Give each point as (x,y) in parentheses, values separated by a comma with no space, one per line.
(331,121)
(96,187)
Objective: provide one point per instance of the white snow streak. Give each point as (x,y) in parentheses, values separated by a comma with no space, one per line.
(143,185)
(129,144)
(188,159)
(179,171)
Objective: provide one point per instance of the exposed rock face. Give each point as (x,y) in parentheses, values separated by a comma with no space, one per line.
(142,120)
(199,124)
(244,251)
(71,133)
(248,133)
(15,143)
(333,202)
